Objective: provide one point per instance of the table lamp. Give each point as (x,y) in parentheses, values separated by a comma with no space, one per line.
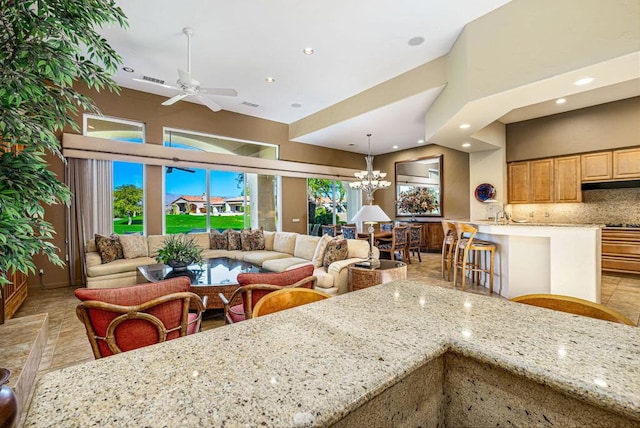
(370,214)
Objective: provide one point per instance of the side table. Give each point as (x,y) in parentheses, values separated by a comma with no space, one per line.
(363,277)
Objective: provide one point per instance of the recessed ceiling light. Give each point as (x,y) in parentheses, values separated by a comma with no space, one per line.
(308,51)
(416,41)
(420,141)
(561,100)
(465,126)
(583,81)
(394,147)
(270,80)
(128,69)
(296,105)
(466,145)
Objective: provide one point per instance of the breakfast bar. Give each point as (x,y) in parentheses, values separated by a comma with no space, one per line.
(545,258)
(401,353)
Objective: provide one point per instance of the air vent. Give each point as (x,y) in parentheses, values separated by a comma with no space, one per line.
(152,79)
(247,103)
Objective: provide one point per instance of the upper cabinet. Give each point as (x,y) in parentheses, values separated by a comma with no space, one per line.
(611,165)
(545,181)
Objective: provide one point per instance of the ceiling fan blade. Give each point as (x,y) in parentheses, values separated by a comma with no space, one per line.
(154,83)
(220,91)
(208,102)
(175,99)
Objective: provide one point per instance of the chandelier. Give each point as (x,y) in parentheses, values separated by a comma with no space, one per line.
(370,180)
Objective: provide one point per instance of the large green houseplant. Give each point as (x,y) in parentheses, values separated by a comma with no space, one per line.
(179,251)
(48,46)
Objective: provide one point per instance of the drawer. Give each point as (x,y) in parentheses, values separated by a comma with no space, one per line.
(620,265)
(625,250)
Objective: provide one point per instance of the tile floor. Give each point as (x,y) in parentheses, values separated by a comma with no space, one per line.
(68,344)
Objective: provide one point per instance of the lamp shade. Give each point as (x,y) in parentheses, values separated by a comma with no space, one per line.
(370,213)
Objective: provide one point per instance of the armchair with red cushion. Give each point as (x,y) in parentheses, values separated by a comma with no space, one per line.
(253,286)
(122,319)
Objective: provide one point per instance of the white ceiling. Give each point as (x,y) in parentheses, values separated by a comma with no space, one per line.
(358,44)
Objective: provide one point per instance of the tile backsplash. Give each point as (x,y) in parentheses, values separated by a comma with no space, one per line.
(598,206)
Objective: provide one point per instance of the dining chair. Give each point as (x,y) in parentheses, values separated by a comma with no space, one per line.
(349,232)
(398,242)
(573,305)
(415,241)
(254,286)
(285,299)
(329,229)
(386,227)
(122,319)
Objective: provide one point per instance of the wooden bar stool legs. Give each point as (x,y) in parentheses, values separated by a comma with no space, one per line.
(469,257)
(448,248)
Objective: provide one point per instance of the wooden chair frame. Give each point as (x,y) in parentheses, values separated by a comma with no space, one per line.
(448,248)
(573,305)
(286,299)
(248,300)
(466,261)
(138,312)
(414,246)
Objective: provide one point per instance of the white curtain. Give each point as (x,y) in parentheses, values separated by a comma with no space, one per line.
(91,210)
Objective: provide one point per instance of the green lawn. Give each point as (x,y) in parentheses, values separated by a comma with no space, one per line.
(182,223)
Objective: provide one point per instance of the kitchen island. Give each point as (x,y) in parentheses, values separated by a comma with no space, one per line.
(401,353)
(545,258)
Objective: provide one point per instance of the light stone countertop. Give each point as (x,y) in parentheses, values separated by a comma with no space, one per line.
(519,224)
(312,365)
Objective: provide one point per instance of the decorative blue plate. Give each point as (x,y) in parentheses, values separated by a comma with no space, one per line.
(485,191)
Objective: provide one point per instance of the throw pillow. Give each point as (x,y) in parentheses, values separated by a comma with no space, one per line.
(219,240)
(336,250)
(235,241)
(134,246)
(252,240)
(109,247)
(321,248)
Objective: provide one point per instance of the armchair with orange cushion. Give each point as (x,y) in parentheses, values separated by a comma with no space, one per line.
(123,319)
(254,286)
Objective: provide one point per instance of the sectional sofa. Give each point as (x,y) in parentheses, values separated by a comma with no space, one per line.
(283,251)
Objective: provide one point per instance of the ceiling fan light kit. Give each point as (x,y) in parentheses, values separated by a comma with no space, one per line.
(190,87)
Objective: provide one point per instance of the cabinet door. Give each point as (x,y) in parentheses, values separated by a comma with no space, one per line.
(596,166)
(567,179)
(542,181)
(626,163)
(435,236)
(518,176)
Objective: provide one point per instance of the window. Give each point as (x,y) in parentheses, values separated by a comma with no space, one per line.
(123,197)
(331,202)
(205,199)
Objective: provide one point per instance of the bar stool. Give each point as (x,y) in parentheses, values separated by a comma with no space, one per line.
(467,255)
(448,248)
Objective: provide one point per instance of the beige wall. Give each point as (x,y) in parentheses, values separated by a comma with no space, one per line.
(455,179)
(602,127)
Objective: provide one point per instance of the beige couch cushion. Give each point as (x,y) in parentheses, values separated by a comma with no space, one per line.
(325,279)
(305,246)
(202,240)
(154,243)
(268,240)
(260,256)
(91,246)
(134,246)
(359,248)
(284,242)
(118,266)
(318,254)
(280,265)
(212,254)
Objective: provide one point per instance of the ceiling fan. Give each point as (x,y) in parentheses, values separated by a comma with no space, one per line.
(189,86)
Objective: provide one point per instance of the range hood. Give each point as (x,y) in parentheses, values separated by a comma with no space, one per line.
(620,184)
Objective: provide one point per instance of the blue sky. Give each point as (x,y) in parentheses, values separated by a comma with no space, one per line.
(179,182)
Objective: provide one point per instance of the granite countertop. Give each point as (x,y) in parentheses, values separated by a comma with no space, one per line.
(312,365)
(526,223)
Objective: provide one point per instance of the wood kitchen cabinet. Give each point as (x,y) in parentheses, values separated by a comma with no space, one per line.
(518,177)
(621,250)
(567,179)
(541,181)
(626,164)
(432,236)
(545,181)
(623,164)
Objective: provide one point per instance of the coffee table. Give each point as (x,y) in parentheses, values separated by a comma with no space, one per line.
(213,276)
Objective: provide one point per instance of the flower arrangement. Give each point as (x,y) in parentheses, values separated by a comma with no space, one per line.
(418,200)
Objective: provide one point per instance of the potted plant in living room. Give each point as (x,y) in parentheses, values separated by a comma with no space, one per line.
(179,251)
